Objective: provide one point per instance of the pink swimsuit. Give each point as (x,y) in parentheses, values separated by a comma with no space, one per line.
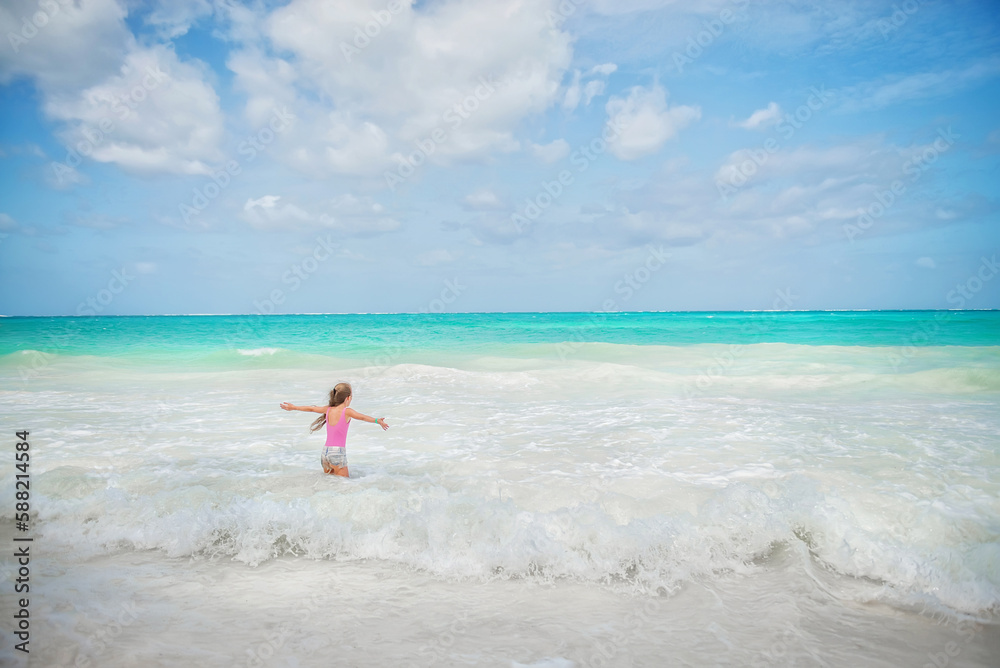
(336,434)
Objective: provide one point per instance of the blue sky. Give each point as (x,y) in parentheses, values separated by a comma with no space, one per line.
(206,156)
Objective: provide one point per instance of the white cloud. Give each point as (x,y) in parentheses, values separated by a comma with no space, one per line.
(354,216)
(269,83)
(552,152)
(173,18)
(605,69)
(482,200)
(577,90)
(80,45)
(807,193)
(267,212)
(7,223)
(137,106)
(349,143)
(592,90)
(646,121)
(265,202)
(926,263)
(472,71)
(762,118)
(157,114)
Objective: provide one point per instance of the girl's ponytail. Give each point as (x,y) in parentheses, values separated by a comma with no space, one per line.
(338,395)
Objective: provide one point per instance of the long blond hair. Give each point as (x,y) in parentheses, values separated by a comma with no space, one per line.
(338,395)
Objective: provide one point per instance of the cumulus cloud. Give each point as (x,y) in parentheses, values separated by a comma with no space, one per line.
(469,72)
(117,101)
(762,118)
(79,45)
(926,263)
(646,121)
(156,115)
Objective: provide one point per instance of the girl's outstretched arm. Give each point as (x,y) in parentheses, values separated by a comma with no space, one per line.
(309,409)
(354,415)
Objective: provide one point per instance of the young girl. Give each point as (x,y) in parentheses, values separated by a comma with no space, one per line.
(336,417)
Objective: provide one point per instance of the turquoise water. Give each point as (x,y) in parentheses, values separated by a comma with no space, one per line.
(839,469)
(359,335)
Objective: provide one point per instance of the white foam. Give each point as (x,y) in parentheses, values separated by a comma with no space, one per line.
(256,352)
(596,470)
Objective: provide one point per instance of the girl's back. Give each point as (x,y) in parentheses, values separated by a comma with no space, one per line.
(336,426)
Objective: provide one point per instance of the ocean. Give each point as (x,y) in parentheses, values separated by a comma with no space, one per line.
(555,490)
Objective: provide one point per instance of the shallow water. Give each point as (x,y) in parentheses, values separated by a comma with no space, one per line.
(551,493)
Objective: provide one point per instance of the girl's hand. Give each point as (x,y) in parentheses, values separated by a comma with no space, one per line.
(381,422)
(287,406)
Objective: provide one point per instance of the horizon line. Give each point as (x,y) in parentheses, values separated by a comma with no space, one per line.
(446,313)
